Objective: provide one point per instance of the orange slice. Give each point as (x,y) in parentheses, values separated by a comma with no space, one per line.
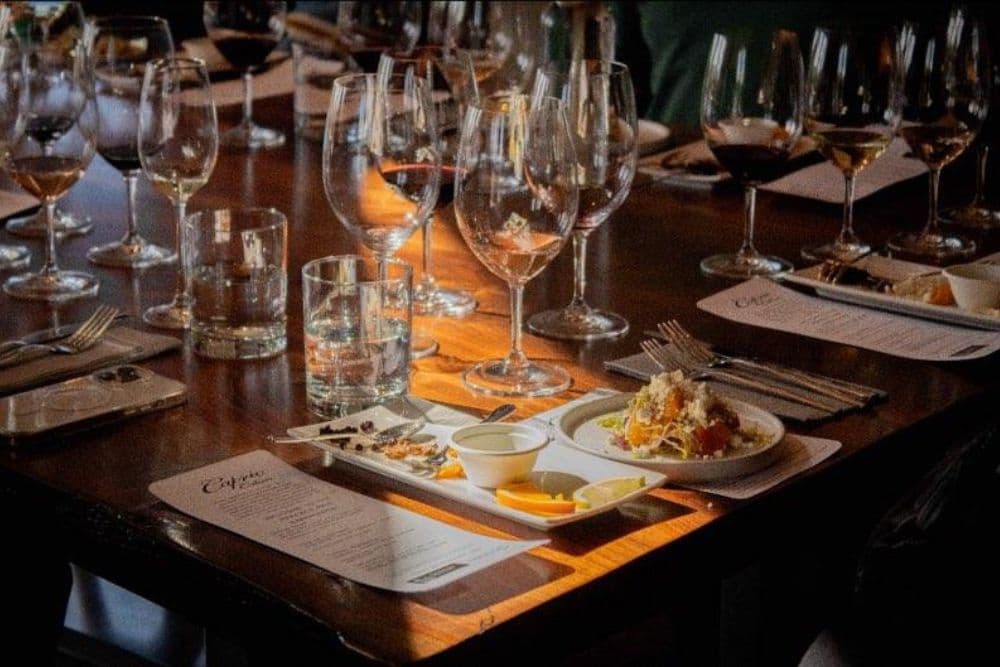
(527,497)
(451,470)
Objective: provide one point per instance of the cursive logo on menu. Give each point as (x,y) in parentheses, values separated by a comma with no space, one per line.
(234,482)
(759,299)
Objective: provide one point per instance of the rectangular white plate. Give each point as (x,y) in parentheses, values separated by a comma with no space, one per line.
(893,269)
(556,457)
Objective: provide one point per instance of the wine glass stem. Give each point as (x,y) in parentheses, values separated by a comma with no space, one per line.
(132,235)
(50,266)
(181,298)
(427,282)
(932,203)
(579,269)
(847,236)
(516,356)
(747,250)
(981,157)
(247,99)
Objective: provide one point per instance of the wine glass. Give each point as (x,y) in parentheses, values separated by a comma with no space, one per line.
(516,200)
(367,29)
(245,33)
(600,104)
(120,49)
(178,145)
(34,24)
(46,164)
(13,108)
(853,109)
(946,98)
(429,298)
(751,115)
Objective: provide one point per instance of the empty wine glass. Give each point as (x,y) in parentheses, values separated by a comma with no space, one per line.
(516,200)
(978,213)
(600,105)
(120,49)
(369,28)
(751,115)
(853,108)
(178,145)
(46,164)
(245,33)
(34,24)
(13,108)
(429,297)
(946,97)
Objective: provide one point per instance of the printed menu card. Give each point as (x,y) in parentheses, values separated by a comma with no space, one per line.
(261,497)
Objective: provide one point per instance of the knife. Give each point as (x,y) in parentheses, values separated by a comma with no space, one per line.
(45,335)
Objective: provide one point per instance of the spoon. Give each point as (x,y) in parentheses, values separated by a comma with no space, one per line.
(396,432)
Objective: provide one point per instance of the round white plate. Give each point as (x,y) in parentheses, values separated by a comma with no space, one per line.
(579,428)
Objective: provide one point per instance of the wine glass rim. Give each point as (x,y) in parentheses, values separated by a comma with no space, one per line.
(353,81)
(178,62)
(562,66)
(129,20)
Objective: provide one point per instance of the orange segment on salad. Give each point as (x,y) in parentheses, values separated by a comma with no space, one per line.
(527,497)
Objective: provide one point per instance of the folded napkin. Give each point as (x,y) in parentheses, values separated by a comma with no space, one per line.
(118,346)
(12,203)
(641,367)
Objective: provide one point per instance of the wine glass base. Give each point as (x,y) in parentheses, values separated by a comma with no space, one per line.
(443,302)
(33,226)
(168,316)
(137,254)
(54,287)
(843,252)
(739,267)
(535,378)
(422,346)
(976,217)
(13,257)
(253,136)
(577,324)
(940,248)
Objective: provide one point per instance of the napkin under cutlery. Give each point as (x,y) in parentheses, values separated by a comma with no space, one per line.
(119,345)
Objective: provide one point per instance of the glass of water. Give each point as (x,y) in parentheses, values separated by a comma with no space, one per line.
(239,285)
(357,314)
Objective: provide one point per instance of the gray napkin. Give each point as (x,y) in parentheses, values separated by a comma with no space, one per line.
(641,367)
(118,346)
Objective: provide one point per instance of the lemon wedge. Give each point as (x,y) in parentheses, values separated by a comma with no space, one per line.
(606,491)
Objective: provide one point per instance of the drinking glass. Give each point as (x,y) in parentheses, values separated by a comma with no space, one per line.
(516,200)
(245,33)
(600,105)
(120,49)
(366,29)
(13,112)
(56,148)
(751,115)
(430,298)
(381,163)
(178,144)
(978,214)
(357,319)
(35,24)
(946,98)
(853,109)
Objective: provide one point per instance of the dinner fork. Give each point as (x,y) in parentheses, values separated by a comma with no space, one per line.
(667,357)
(698,350)
(85,337)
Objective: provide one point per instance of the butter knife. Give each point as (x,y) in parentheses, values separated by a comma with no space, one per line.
(49,335)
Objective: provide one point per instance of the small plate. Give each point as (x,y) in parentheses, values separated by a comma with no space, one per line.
(579,428)
(653,136)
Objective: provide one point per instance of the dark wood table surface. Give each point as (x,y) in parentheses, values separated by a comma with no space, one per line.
(661,558)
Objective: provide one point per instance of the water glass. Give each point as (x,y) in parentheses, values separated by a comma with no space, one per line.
(357,316)
(315,66)
(238,264)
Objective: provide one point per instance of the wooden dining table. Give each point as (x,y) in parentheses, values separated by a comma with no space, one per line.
(650,580)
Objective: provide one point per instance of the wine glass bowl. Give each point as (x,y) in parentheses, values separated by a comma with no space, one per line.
(853,110)
(751,116)
(245,32)
(600,104)
(516,198)
(13,103)
(120,49)
(367,29)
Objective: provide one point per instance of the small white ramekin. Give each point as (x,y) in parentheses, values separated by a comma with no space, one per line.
(496,454)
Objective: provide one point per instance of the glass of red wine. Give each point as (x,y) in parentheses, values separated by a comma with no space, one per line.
(245,33)
(751,116)
(368,29)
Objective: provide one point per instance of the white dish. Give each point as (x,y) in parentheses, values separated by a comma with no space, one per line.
(652,136)
(495,454)
(893,269)
(558,469)
(974,286)
(579,428)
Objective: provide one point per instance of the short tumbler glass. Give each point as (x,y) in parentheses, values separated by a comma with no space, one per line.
(357,321)
(239,282)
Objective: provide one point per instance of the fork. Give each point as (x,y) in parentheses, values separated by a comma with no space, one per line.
(85,337)
(665,358)
(700,352)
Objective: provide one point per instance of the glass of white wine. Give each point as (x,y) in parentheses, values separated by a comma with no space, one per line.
(61,91)
(13,103)
(853,109)
(178,145)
